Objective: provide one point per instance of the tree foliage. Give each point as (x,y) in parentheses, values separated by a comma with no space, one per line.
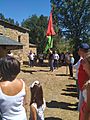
(73,19)
(10,20)
(37,26)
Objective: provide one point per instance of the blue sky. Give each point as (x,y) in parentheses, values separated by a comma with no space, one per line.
(22,9)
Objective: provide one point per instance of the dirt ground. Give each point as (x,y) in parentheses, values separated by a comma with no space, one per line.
(59,91)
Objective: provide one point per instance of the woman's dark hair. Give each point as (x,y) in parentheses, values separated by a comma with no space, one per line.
(9,68)
(37,95)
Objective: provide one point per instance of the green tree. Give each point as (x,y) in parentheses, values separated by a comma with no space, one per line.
(17,23)
(37,26)
(73,19)
(2,16)
(10,20)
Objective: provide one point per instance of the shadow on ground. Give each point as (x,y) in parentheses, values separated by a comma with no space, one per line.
(71,90)
(62,75)
(37,64)
(43,70)
(71,85)
(29,71)
(52,118)
(61,105)
(70,94)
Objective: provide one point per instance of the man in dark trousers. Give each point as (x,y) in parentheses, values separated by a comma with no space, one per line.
(51,60)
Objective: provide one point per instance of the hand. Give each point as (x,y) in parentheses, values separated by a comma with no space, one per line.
(86,84)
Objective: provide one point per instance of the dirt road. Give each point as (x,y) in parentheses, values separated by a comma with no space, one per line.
(59,91)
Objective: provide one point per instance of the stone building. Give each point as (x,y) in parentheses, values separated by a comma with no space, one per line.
(7,44)
(18,34)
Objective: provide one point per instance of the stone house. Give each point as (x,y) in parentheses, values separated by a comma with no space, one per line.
(20,35)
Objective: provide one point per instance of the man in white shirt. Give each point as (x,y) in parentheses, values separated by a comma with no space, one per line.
(56,59)
(31,58)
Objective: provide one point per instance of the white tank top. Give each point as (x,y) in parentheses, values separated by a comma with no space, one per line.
(11,107)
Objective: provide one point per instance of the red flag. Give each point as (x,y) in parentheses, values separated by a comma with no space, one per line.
(50,30)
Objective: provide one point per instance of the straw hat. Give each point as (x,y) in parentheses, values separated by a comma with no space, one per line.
(71,55)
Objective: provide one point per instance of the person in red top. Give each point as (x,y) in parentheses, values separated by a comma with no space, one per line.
(82,75)
(84,113)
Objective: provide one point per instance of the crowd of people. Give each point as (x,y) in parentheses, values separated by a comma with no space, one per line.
(13,90)
(54,60)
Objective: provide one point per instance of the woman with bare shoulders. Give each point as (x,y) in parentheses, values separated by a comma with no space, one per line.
(12,90)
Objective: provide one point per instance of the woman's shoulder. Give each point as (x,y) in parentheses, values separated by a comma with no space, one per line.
(11,88)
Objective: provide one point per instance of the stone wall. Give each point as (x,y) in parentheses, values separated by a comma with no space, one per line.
(18,36)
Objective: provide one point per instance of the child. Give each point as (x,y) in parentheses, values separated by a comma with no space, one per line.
(37,105)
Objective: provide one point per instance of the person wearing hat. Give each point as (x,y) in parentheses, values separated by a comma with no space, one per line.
(82,75)
(71,62)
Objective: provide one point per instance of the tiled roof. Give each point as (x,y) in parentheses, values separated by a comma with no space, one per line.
(9,42)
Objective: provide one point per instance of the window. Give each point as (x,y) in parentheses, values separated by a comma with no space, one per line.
(19,38)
